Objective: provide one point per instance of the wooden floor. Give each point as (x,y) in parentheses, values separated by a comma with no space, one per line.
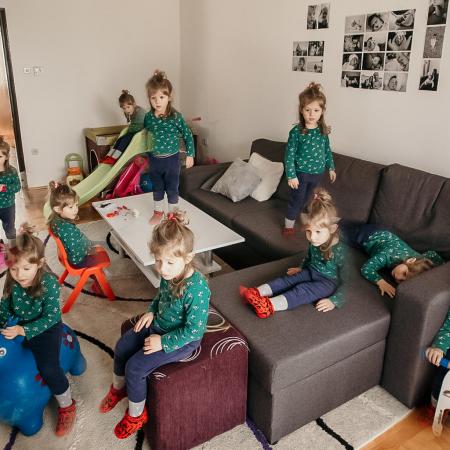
(412,433)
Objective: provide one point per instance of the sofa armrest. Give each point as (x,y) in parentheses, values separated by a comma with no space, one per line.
(191,179)
(419,310)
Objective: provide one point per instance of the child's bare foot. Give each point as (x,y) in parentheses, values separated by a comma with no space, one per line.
(156,218)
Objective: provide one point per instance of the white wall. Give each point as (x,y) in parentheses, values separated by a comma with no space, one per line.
(90,51)
(236,74)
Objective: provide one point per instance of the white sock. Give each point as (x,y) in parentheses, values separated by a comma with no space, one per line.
(264,290)
(288,223)
(118,381)
(116,154)
(279,303)
(110,152)
(65,399)
(12,242)
(173,207)
(136,409)
(158,205)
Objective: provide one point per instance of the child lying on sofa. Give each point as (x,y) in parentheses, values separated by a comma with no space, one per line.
(386,250)
(319,275)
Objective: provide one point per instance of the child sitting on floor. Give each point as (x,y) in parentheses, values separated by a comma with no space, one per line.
(317,278)
(170,331)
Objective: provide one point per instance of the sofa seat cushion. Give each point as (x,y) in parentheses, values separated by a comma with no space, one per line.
(222,208)
(415,205)
(262,230)
(293,345)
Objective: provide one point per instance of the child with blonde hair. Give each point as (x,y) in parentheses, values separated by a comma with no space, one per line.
(171,329)
(135,118)
(32,295)
(386,250)
(9,186)
(307,154)
(318,277)
(167,125)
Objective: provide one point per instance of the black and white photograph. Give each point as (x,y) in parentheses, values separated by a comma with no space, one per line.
(355,24)
(375,42)
(353,43)
(351,61)
(323,16)
(299,64)
(316,48)
(311,21)
(377,21)
(437,12)
(402,20)
(350,79)
(373,61)
(397,62)
(434,38)
(314,64)
(430,75)
(399,41)
(300,48)
(372,80)
(395,82)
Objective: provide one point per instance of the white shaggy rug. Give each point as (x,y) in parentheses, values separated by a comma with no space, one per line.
(98,321)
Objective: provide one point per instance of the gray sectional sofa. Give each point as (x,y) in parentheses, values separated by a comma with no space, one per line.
(303,363)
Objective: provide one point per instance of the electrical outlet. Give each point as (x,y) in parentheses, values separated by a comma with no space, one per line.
(35,151)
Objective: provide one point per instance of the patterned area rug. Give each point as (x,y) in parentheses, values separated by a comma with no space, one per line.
(97,323)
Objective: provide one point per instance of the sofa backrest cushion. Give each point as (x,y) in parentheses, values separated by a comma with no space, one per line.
(416,206)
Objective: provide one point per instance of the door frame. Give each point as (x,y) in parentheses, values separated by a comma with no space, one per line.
(12,91)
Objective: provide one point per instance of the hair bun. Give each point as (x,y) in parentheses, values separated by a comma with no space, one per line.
(125,91)
(315,86)
(159,75)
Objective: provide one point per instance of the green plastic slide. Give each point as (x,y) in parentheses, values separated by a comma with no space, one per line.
(105,173)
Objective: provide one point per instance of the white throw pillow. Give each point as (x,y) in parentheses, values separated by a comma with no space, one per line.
(270,173)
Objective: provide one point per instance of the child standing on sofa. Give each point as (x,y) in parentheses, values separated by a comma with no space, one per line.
(307,154)
(135,117)
(439,348)
(9,186)
(32,295)
(167,125)
(171,329)
(318,276)
(386,250)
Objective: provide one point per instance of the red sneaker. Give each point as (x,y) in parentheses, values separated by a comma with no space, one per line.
(156,218)
(112,398)
(109,160)
(66,419)
(262,305)
(249,294)
(288,232)
(129,425)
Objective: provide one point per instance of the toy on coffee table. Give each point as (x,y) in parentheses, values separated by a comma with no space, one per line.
(23,393)
(120,210)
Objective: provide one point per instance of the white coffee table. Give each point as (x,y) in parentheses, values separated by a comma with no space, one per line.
(134,233)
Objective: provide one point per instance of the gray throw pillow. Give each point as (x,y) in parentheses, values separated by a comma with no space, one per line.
(238,182)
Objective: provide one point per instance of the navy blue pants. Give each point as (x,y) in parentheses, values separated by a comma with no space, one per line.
(299,198)
(123,142)
(129,360)
(439,378)
(354,234)
(45,348)
(8,218)
(165,176)
(304,287)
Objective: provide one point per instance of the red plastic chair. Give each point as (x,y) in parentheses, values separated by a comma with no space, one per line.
(84,273)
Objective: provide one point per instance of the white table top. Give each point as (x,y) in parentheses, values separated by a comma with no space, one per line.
(136,231)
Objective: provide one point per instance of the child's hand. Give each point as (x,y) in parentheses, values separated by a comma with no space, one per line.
(146,320)
(325,305)
(12,332)
(189,162)
(152,344)
(386,288)
(294,183)
(293,270)
(332,174)
(434,355)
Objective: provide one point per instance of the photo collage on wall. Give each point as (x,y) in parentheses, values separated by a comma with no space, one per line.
(307,56)
(318,16)
(432,50)
(377,49)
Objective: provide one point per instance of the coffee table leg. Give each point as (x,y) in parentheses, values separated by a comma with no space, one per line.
(207,258)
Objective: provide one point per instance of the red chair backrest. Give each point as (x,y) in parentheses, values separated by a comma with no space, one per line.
(62,254)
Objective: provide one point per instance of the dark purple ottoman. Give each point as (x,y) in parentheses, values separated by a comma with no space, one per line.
(192,401)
